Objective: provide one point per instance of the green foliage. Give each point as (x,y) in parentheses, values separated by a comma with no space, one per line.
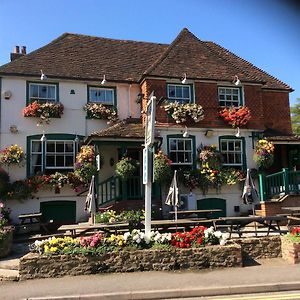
(126,167)
(162,168)
(295,117)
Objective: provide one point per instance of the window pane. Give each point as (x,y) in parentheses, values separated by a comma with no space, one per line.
(188,145)
(171,90)
(231,146)
(60,162)
(186,92)
(36,146)
(188,157)
(50,147)
(43,92)
(51,92)
(173,157)
(50,161)
(230,158)
(59,146)
(69,161)
(223,146)
(222,91)
(173,144)
(69,147)
(109,96)
(237,146)
(33,91)
(93,95)
(235,92)
(180,144)
(180,156)
(179,91)
(238,159)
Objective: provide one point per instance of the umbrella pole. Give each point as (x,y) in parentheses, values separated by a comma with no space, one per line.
(253,212)
(175,212)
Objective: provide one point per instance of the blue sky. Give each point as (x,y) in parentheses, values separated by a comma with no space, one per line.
(263,32)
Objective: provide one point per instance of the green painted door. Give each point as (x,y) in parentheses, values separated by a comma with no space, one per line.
(61,212)
(213,203)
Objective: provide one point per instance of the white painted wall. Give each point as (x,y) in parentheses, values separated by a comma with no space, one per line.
(73,121)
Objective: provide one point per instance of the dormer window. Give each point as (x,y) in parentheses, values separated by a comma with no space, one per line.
(182,93)
(229,96)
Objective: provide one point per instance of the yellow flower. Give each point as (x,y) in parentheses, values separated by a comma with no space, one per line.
(46,248)
(53,249)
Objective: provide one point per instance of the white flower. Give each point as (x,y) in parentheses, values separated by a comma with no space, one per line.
(218,234)
(126,236)
(147,239)
(138,240)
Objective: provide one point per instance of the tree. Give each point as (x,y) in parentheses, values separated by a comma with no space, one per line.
(295,116)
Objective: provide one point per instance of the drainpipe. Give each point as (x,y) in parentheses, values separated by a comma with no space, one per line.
(0,107)
(129,105)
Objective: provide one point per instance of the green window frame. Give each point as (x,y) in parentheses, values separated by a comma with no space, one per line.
(233,150)
(42,92)
(230,96)
(56,154)
(181,151)
(181,93)
(102,95)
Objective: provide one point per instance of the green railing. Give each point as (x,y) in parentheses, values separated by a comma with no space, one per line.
(113,189)
(279,184)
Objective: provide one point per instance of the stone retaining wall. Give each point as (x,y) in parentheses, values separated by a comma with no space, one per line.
(290,250)
(261,247)
(36,266)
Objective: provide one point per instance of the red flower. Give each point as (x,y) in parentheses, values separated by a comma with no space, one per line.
(236,116)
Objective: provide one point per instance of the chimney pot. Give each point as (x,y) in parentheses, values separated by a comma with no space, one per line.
(17,50)
(23,50)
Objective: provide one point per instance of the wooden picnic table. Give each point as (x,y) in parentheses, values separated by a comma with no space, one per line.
(294,214)
(237,223)
(198,212)
(32,218)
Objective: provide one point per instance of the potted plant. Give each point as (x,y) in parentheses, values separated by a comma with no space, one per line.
(290,246)
(126,167)
(236,116)
(264,153)
(44,111)
(100,111)
(181,112)
(6,231)
(13,155)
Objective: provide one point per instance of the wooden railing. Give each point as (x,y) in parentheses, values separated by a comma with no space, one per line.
(113,189)
(279,184)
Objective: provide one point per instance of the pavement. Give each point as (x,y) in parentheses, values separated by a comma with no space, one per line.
(268,275)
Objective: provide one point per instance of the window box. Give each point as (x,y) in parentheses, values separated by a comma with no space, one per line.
(44,111)
(236,116)
(101,112)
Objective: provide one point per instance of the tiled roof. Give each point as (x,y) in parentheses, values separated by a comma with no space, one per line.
(84,57)
(126,129)
(78,56)
(285,138)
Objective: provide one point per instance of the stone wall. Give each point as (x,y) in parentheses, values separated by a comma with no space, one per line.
(36,266)
(258,248)
(290,250)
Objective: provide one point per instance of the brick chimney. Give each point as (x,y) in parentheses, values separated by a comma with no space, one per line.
(16,53)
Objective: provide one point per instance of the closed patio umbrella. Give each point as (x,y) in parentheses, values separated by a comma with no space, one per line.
(250,194)
(173,194)
(90,201)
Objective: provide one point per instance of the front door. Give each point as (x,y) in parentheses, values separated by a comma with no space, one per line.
(294,157)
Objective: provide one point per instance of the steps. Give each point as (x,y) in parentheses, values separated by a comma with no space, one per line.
(9,266)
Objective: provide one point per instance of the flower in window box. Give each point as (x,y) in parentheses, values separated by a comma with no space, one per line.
(100,111)
(264,153)
(236,116)
(12,155)
(181,112)
(44,111)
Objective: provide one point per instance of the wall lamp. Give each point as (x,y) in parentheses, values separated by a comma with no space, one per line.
(236,80)
(209,133)
(103,80)
(183,79)
(43,76)
(185,133)
(139,98)
(43,138)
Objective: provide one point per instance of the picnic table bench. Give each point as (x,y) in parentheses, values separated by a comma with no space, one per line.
(83,228)
(294,214)
(31,219)
(235,224)
(199,212)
